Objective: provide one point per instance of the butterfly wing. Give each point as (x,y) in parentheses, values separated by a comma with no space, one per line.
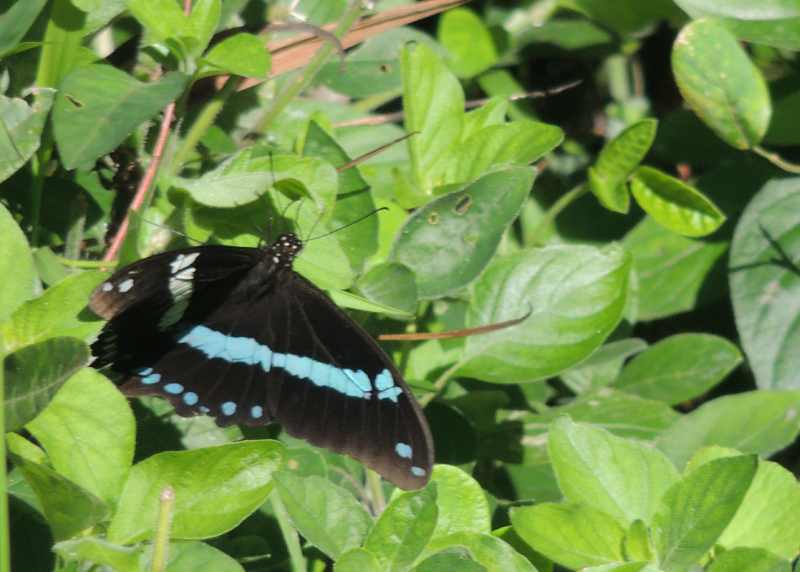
(282,351)
(145,301)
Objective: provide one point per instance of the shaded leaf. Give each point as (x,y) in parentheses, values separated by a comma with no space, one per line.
(33,375)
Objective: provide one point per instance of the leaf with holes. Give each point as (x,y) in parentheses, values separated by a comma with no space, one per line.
(449,241)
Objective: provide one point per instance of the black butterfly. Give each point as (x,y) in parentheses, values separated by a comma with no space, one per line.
(235,333)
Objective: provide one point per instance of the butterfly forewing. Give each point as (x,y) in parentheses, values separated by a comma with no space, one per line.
(250,341)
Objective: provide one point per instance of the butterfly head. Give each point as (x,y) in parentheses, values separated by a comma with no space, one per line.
(284,250)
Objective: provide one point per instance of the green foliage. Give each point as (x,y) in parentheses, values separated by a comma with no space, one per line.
(623,421)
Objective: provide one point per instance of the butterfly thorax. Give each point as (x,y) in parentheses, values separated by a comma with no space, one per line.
(283,251)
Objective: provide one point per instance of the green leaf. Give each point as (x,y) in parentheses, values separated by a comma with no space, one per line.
(765,284)
(182,556)
(403,529)
(637,545)
(16,19)
(603,366)
(625,17)
(767,517)
(193,556)
(99,551)
(750,559)
(452,559)
(34,373)
(357,560)
(392,284)
(623,478)
(162,19)
(203,21)
(696,510)
(485,549)
(98,106)
(572,535)
(433,101)
(621,414)
(353,200)
(244,177)
(462,502)
(82,443)
(674,204)
(166,23)
(243,54)
(624,567)
(720,83)
(679,368)
(760,422)
(450,241)
(511,144)
(617,161)
(238,476)
(16,265)
(468,42)
(771,22)
(327,515)
(68,508)
(672,270)
(21,127)
(60,311)
(575,296)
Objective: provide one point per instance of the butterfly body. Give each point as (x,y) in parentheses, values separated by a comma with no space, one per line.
(235,333)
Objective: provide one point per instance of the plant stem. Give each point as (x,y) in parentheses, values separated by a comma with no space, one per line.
(439,384)
(290,537)
(303,80)
(537,236)
(39,164)
(161,541)
(777,160)
(375,492)
(5,545)
(202,124)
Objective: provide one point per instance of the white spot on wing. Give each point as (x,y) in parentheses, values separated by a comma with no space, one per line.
(125,285)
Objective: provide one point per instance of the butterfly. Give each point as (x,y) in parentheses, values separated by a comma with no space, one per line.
(237,334)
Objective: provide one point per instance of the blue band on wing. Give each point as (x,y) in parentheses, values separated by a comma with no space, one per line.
(234,349)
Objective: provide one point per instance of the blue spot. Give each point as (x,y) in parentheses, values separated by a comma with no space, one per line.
(403,450)
(256,411)
(323,375)
(229,408)
(390,394)
(384,380)
(190,398)
(352,383)
(359,378)
(145,371)
(151,379)
(204,409)
(264,358)
(240,350)
(298,366)
(174,388)
(418,471)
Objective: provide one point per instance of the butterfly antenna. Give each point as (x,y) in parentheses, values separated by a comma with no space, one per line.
(349,224)
(173,230)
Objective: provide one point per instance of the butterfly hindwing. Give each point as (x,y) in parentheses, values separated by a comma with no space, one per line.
(255,343)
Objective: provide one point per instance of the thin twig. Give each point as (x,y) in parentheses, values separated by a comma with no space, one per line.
(471,104)
(143,190)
